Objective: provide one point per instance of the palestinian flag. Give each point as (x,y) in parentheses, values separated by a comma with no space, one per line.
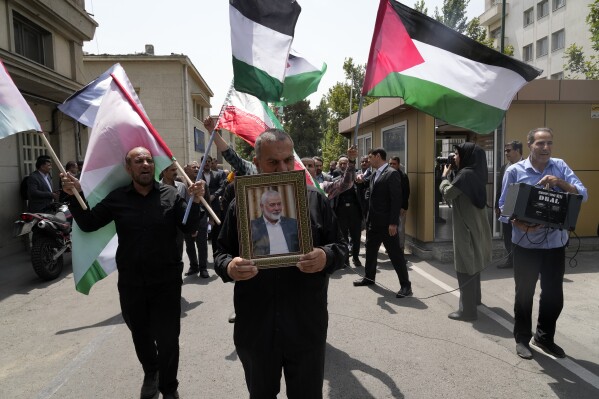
(15,114)
(440,71)
(118,126)
(301,78)
(261,36)
(246,116)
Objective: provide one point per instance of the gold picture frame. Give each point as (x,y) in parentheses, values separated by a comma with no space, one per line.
(273,205)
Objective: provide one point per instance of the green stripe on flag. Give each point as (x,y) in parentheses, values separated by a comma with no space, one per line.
(94,274)
(256,82)
(446,104)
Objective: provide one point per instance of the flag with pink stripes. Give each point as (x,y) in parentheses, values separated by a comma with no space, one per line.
(15,114)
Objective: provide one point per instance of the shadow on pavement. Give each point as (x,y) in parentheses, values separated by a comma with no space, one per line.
(338,370)
(114,320)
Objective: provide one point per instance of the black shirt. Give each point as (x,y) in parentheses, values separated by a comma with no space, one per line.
(146,226)
(283,303)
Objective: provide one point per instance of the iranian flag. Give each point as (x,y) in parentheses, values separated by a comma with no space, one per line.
(439,71)
(15,114)
(246,116)
(261,36)
(301,78)
(118,125)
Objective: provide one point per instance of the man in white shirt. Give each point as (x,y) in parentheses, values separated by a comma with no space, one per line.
(273,233)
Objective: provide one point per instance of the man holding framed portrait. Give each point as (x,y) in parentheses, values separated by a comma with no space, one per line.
(281,312)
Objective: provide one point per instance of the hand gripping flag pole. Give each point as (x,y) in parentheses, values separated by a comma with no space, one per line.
(159,140)
(203,164)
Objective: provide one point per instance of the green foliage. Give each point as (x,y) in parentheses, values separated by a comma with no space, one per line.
(421,7)
(453,14)
(335,106)
(302,124)
(577,63)
(244,150)
(476,32)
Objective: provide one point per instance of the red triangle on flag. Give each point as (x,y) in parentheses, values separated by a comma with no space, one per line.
(392,48)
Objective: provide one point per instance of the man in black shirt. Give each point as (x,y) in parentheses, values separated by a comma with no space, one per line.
(146,214)
(282,313)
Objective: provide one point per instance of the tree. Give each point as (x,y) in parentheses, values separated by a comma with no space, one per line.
(335,106)
(421,7)
(302,124)
(453,14)
(576,61)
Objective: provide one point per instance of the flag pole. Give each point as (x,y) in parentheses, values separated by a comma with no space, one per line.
(358,119)
(153,131)
(61,168)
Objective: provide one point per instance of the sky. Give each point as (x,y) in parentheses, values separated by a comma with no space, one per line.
(327,31)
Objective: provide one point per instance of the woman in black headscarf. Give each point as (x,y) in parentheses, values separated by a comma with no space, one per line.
(471,231)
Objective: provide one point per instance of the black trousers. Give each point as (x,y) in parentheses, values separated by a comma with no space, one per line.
(198,260)
(507,242)
(304,371)
(470,294)
(153,314)
(349,219)
(375,236)
(528,265)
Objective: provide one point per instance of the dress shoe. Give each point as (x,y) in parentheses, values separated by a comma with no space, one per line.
(363,282)
(404,292)
(204,273)
(231,318)
(550,348)
(172,395)
(506,265)
(459,315)
(149,389)
(191,272)
(357,262)
(523,350)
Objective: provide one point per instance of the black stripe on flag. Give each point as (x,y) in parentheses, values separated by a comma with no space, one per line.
(278,15)
(427,30)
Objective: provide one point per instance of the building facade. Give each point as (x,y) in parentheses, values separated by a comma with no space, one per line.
(569,107)
(41,45)
(540,30)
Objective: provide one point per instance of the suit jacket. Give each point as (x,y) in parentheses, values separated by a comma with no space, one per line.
(405,190)
(216,188)
(39,194)
(260,241)
(385,199)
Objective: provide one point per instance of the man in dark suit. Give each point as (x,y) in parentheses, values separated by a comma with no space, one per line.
(273,233)
(39,186)
(382,222)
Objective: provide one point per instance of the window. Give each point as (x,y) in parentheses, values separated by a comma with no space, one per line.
(529,16)
(198,140)
(527,53)
(31,146)
(557,76)
(558,4)
(542,47)
(558,40)
(364,144)
(496,33)
(32,41)
(394,141)
(542,9)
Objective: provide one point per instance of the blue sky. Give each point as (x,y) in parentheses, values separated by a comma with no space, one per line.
(327,30)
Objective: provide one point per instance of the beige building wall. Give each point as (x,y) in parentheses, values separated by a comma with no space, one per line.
(66,25)
(563,105)
(570,18)
(172,92)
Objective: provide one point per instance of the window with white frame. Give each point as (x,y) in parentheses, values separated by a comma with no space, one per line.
(31,146)
(527,52)
(394,139)
(542,9)
(557,76)
(542,47)
(558,4)
(558,40)
(529,16)
(364,144)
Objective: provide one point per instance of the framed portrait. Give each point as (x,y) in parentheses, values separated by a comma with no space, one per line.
(272,217)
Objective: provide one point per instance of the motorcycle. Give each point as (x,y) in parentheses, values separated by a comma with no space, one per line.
(50,239)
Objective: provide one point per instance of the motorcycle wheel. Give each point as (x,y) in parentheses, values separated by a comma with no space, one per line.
(42,251)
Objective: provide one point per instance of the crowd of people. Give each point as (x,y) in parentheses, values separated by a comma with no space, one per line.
(272,334)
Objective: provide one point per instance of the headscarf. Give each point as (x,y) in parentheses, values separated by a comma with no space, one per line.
(471,178)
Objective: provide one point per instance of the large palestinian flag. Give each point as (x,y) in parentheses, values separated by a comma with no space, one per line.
(440,71)
(261,36)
